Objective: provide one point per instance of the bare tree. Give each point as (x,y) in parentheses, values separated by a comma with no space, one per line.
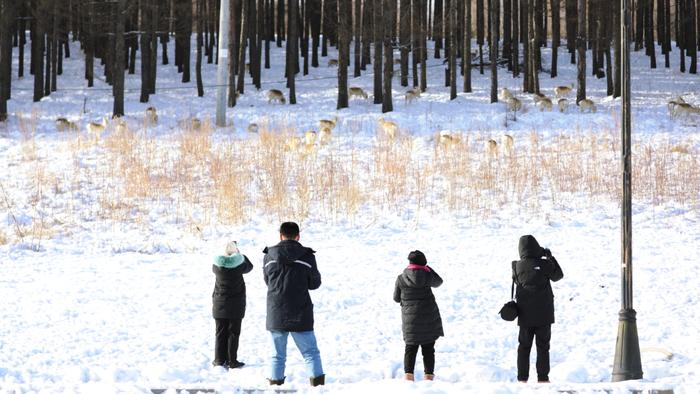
(292,53)
(493,50)
(388,58)
(343,41)
(119,55)
(453,49)
(378,36)
(581,45)
(467,78)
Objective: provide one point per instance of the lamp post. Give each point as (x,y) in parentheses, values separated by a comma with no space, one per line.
(222,71)
(628,363)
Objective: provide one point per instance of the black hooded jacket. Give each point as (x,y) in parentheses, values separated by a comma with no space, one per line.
(420,316)
(228,298)
(290,271)
(532,275)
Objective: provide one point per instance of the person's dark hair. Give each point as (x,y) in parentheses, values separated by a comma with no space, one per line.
(289,230)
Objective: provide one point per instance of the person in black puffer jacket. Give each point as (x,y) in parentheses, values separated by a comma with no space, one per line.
(420,317)
(228,304)
(532,275)
(290,271)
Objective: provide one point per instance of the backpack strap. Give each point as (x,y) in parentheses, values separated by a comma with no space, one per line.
(512,284)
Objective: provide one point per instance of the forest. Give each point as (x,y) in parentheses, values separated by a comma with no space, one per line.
(484,36)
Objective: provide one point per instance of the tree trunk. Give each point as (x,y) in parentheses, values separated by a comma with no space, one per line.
(692,37)
(200,42)
(118,70)
(378,37)
(343,42)
(581,44)
(292,53)
(617,31)
(404,38)
(467,77)
(38,41)
(6,14)
(387,105)
(415,51)
(423,45)
(515,39)
(571,28)
(493,51)
(452,31)
(649,34)
(280,22)
(437,28)
(556,31)
(145,50)
(357,27)
(480,33)
(242,45)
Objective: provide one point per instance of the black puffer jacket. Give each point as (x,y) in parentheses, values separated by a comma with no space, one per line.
(532,275)
(229,291)
(420,316)
(290,271)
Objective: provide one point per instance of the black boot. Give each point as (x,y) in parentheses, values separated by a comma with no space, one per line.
(274,382)
(318,380)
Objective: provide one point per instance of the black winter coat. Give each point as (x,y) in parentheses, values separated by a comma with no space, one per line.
(229,291)
(420,316)
(290,271)
(532,275)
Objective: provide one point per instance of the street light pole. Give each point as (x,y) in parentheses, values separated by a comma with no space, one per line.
(222,71)
(628,363)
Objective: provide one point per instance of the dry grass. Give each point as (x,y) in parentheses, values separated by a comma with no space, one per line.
(197,177)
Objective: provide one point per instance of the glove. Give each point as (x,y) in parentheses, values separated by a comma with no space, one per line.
(547,253)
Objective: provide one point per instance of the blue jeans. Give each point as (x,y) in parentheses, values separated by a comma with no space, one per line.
(306,343)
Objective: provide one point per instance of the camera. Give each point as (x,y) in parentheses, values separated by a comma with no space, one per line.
(547,252)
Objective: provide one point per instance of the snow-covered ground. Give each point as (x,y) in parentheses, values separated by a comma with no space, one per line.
(100,305)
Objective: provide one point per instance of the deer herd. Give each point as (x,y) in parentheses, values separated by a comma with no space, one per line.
(387,129)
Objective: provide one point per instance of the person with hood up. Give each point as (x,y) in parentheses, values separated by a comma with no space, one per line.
(532,275)
(228,307)
(420,317)
(290,271)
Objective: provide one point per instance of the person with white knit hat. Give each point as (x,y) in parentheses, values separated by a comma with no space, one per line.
(229,301)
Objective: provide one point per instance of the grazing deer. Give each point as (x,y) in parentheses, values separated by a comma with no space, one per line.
(389,128)
(310,138)
(447,139)
(587,104)
(253,128)
(151,117)
(563,91)
(514,104)
(537,97)
(505,95)
(330,123)
(276,95)
(563,104)
(412,94)
(324,136)
(672,103)
(685,109)
(492,148)
(63,124)
(96,129)
(508,144)
(355,91)
(332,62)
(545,103)
(292,144)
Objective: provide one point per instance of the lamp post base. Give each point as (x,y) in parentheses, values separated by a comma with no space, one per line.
(628,360)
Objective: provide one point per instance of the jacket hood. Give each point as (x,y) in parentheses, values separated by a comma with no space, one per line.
(287,251)
(416,278)
(529,247)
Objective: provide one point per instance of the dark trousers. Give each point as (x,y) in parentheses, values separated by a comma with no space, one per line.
(226,345)
(409,357)
(542,335)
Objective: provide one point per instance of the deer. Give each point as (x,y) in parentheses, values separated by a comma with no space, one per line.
(63,124)
(447,139)
(505,95)
(492,148)
(508,144)
(96,129)
(412,94)
(276,95)
(310,138)
(563,91)
(324,135)
(253,128)
(389,128)
(563,104)
(672,103)
(355,91)
(120,125)
(151,117)
(332,62)
(514,104)
(545,103)
(330,123)
(685,109)
(587,104)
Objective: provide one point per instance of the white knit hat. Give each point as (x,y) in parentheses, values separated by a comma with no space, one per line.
(231,248)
